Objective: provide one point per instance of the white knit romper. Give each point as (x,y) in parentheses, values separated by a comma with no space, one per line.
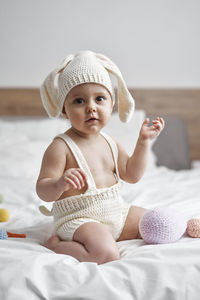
(103,205)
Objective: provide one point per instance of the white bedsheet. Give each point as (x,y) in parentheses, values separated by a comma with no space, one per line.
(30,271)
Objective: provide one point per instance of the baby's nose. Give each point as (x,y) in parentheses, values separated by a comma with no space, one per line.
(91,107)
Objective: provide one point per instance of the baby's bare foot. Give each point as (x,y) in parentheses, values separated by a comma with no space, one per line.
(52,242)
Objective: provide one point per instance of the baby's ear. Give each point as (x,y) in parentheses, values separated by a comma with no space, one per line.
(64,114)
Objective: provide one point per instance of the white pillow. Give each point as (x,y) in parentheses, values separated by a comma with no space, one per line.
(33,128)
(23,142)
(21,158)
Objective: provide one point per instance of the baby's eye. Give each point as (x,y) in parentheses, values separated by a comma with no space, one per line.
(100,98)
(78,101)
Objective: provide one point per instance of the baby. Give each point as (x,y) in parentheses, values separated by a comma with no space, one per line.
(82,168)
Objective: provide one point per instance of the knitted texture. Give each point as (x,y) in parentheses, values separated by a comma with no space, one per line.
(84,67)
(162,225)
(193,228)
(103,205)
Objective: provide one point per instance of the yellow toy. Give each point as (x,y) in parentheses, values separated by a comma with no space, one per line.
(4,215)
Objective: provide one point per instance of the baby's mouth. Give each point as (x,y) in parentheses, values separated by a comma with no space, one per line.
(91,119)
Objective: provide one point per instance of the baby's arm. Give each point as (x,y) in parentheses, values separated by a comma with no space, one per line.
(132,168)
(54,179)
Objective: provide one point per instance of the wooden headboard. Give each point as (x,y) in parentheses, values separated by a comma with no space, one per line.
(184,103)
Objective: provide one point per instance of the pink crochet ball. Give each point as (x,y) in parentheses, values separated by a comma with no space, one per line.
(162,225)
(193,228)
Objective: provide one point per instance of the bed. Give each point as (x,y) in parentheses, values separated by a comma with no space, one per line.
(170,271)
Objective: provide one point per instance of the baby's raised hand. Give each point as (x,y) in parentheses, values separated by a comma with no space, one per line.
(153,131)
(73,178)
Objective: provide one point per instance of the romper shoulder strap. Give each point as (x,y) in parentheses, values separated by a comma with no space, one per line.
(80,159)
(114,149)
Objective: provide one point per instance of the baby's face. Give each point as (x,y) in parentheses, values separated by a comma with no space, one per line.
(88,107)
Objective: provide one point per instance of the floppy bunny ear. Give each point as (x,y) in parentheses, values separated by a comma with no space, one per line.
(126,104)
(49,91)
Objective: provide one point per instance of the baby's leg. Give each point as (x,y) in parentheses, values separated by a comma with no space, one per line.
(92,242)
(131,227)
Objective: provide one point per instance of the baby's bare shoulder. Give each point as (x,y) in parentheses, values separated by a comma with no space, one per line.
(57,149)
(54,158)
(57,145)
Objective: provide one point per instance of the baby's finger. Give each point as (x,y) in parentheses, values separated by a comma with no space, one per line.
(146,121)
(157,119)
(156,123)
(70,182)
(72,178)
(162,122)
(77,180)
(80,177)
(83,174)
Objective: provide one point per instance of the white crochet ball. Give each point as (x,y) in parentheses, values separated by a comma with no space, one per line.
(162,225)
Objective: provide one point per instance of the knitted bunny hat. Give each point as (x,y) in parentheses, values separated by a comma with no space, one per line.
(84,67)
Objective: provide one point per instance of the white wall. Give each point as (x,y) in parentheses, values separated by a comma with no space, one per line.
(155,43)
